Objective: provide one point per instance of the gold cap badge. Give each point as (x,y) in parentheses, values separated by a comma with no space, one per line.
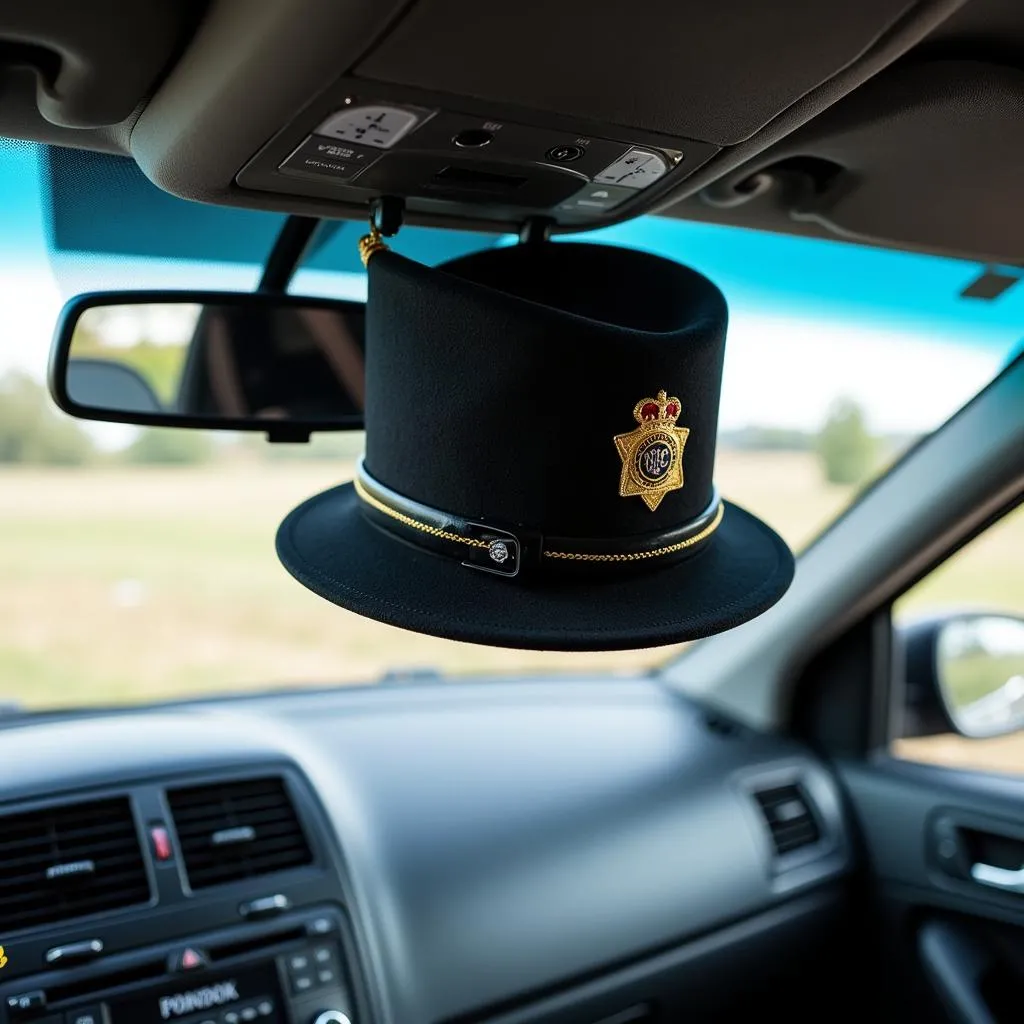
(652,455)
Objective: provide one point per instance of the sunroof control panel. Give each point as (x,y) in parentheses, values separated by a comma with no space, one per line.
(441,161)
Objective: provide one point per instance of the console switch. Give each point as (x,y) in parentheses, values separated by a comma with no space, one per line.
(312,968)
(24,1002)
(301,982)
(188,959)
(161,840)
(75,952)
(636,169)
(85,1015)
(329,158)
(265,906)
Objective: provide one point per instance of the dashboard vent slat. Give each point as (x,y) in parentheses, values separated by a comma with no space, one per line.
(790,819)
(68,861)
(235,830)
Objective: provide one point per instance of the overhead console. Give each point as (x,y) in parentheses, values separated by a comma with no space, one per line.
(361,141)
(486,116)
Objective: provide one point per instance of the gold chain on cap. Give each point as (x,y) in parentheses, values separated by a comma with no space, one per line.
(405,520)
(634,556)
(371,243)
(573,556)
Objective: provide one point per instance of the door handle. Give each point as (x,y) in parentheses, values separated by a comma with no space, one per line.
(999,878)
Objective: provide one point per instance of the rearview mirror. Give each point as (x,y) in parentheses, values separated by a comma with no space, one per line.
(284,365)
(972,666)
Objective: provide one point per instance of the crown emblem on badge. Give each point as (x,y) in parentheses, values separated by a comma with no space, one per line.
(652,454)
(660,408)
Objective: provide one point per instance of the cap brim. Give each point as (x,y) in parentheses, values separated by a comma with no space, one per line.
(330,547)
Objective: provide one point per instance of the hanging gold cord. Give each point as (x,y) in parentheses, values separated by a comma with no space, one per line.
(371,243)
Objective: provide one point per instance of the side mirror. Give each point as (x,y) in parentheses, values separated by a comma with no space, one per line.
(965,672)
(283,365)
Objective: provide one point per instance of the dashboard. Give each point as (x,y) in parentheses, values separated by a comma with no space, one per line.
(575,850)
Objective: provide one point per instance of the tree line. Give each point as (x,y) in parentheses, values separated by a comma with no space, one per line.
(34,432)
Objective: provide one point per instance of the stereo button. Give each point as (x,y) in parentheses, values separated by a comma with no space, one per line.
(85,1015)
(230,1017)
(25,1001)
(301,983)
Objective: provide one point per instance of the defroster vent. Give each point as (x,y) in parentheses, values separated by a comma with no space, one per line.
(234,830)
(68,861)
(789,816)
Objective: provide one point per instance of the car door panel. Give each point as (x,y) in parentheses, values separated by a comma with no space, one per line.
(934,840)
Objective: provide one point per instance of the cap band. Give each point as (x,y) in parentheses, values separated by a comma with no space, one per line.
(507,550)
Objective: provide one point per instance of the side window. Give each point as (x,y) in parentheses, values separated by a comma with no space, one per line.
(961,657)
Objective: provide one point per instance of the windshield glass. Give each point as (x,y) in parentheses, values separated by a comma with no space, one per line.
(140,565)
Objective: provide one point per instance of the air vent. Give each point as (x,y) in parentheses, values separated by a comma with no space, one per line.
(68,861)
(234,830)
(789,816)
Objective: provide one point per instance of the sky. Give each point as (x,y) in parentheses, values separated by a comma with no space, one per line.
(810,320)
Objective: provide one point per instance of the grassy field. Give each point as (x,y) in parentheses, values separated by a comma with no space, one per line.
(135,584)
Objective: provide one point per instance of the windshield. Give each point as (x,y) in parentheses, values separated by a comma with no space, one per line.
(140,565)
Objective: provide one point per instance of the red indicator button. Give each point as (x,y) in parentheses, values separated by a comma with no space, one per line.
(161,843)
(187,959)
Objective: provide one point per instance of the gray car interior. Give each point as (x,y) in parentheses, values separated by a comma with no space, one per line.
(723,840)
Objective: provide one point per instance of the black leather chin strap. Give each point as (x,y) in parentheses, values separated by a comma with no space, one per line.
(510,551)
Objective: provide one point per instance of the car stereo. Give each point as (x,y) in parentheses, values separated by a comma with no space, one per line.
(297,973)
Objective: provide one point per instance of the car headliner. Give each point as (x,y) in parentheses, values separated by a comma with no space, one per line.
(196,100)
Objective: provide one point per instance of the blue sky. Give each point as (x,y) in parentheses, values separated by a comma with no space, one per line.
(810,320)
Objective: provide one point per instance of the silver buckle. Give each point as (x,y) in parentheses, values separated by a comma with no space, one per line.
(503,554)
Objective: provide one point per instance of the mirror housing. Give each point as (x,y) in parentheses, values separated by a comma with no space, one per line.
(964,672)
(284,365)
